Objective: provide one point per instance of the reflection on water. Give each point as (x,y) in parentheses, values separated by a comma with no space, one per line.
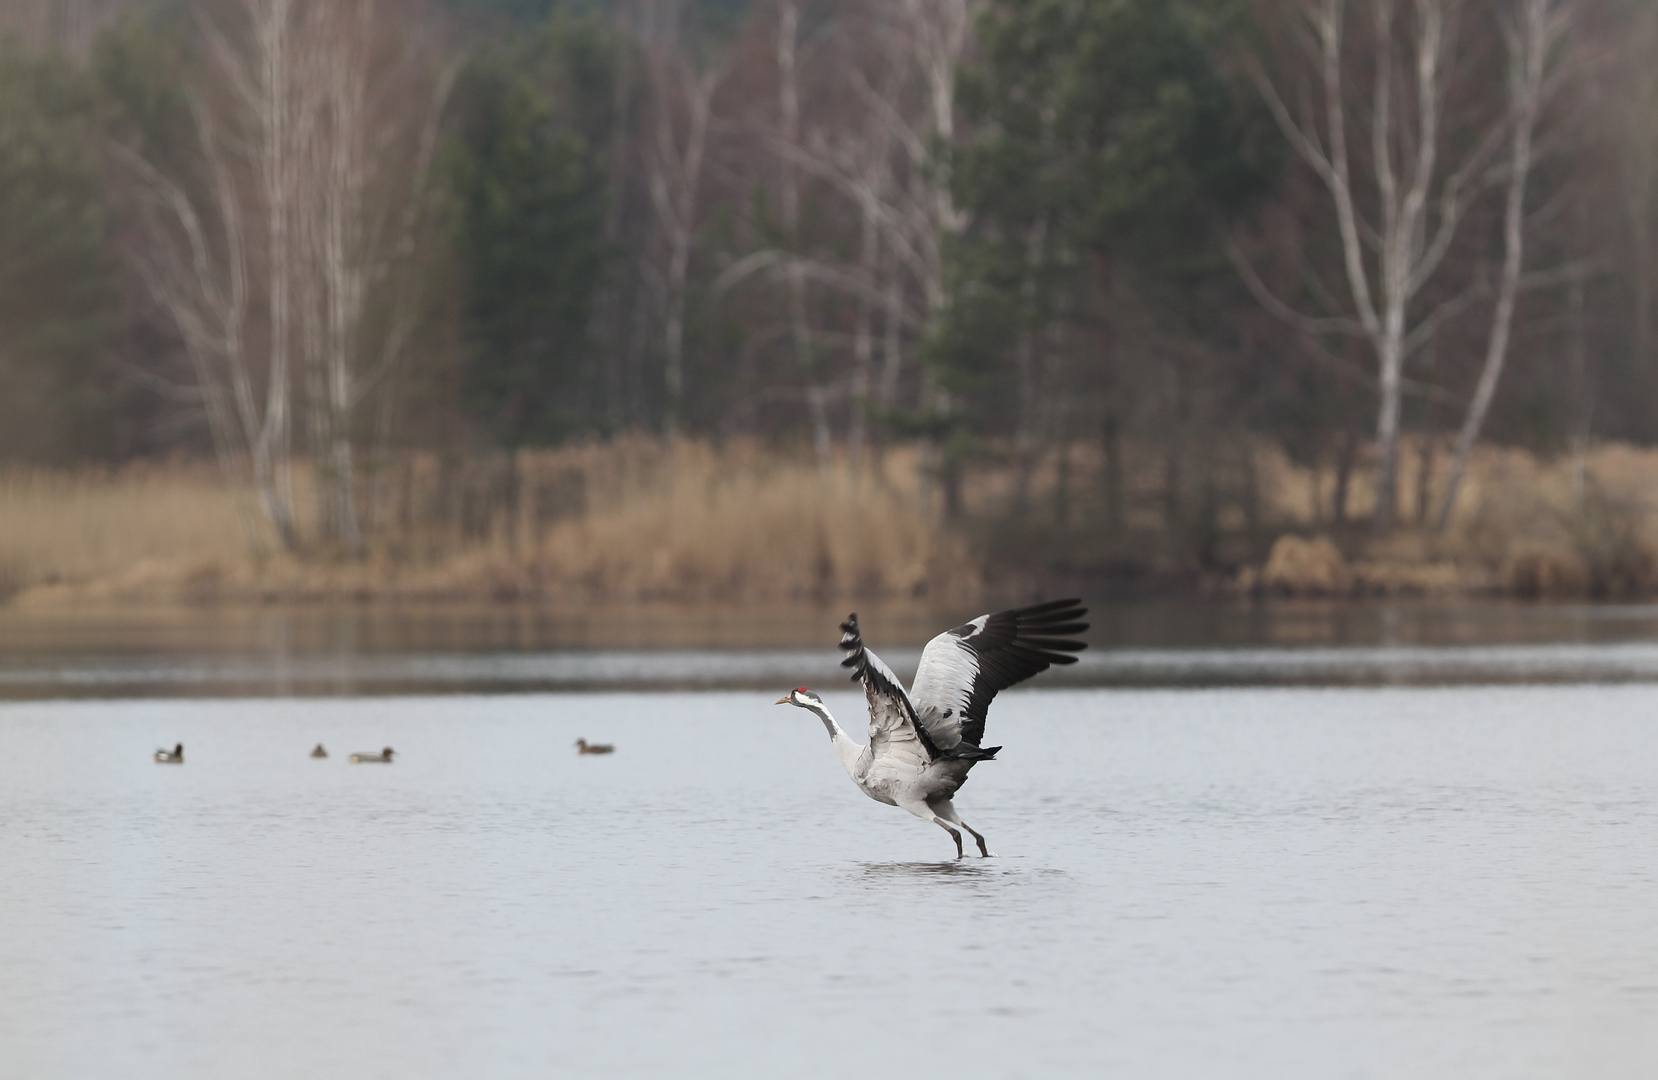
(1441,883)
(635,668)
(959,868)
(377,650)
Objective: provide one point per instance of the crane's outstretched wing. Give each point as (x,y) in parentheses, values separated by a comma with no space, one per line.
(962,669)
(893,729)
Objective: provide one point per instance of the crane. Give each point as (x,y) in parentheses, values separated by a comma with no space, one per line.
(922,743)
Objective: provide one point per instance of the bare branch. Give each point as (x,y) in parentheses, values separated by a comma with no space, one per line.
(1425,331)
(1306,324)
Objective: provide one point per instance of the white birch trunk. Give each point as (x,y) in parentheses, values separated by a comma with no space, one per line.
(675,180)
(1540,25)
(863,344)
(800,327)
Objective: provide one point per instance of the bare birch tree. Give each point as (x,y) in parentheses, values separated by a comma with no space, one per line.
(889,158)
(196,271)
(928,38)
(272,260)
(788,186)
(905,206)
(213,242)
(1533,37)
(1419,188)
(378,99)
(682,102)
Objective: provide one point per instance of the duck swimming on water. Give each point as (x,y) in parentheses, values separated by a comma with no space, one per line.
(319,751)
(585,747)
(383,756)
(175,756)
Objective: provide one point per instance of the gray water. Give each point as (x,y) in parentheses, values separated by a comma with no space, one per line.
(1382,882)
(418,649)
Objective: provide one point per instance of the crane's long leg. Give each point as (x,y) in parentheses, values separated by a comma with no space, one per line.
(925,813)
(946,809)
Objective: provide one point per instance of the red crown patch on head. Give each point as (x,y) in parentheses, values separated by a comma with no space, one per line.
(801,690)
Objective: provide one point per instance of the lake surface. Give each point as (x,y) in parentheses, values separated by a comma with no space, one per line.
(1384,881)
(424,649)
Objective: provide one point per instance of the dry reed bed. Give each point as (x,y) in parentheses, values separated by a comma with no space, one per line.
(629,521)
(1524,525)
(64,527)
(624,521)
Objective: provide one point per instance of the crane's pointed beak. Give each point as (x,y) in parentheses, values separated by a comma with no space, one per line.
(784,700)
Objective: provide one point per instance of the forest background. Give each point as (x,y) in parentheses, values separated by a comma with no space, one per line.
(749,299)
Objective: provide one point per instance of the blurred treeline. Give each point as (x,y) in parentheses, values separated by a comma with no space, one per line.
(1118,247)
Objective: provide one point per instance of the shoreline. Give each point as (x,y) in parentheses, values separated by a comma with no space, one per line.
(631,522)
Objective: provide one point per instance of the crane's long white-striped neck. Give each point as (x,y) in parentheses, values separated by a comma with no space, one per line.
(847,750)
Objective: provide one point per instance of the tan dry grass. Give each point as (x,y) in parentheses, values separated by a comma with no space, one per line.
(1524,524)
(706,525)
(628,521)
(698,524)
(58,527)
(1311,567)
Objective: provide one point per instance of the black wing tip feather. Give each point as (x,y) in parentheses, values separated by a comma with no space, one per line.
(1045,629)
(852,641)
(1048,608)
(1052,619)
